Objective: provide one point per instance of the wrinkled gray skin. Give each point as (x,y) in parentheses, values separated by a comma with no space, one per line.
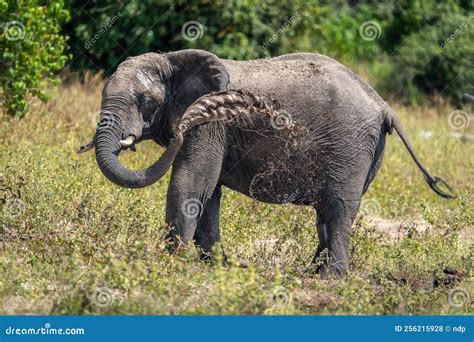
(318,139)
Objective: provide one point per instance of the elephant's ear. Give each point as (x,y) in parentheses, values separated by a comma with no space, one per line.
(195,73)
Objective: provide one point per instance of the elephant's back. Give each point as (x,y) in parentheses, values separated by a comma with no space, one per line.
(315,89)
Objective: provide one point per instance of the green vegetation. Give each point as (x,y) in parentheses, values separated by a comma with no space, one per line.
(73,243)
(231,29)
(408,50)
(32,50)
(411,48)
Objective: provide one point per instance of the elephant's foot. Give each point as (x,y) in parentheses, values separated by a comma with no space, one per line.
(326,267)
(333,271)
(210,257)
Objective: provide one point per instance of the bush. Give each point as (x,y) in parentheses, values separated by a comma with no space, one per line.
(436,60)
(69,236)
(106,32)
(31,50)
(337,30)
(406,48)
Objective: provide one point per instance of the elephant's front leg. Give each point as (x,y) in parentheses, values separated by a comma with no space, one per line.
(187,204)
(208,232)
(193,194)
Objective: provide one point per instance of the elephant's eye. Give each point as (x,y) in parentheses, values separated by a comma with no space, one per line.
(147,105)
(144,100)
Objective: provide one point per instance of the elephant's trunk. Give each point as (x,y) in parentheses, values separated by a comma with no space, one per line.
(108,147)
(221,106)
(227,105)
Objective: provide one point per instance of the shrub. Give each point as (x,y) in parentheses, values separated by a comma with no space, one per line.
(31,50)
(436,60)
(350,34)
(107,32)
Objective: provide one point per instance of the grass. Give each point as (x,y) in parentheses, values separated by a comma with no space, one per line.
(73,243)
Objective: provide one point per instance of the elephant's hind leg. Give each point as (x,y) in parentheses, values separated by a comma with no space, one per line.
(320,258)
(377,162)
(334,225)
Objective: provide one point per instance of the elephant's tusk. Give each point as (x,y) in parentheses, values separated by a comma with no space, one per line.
(86,147)
(127,142)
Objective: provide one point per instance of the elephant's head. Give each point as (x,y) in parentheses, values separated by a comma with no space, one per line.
(146,99)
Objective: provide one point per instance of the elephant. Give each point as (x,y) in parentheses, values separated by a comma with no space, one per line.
(299,128)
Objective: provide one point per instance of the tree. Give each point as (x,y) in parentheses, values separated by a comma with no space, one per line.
(31,50)
(103,33)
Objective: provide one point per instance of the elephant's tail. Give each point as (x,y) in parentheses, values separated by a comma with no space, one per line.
(392,122)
